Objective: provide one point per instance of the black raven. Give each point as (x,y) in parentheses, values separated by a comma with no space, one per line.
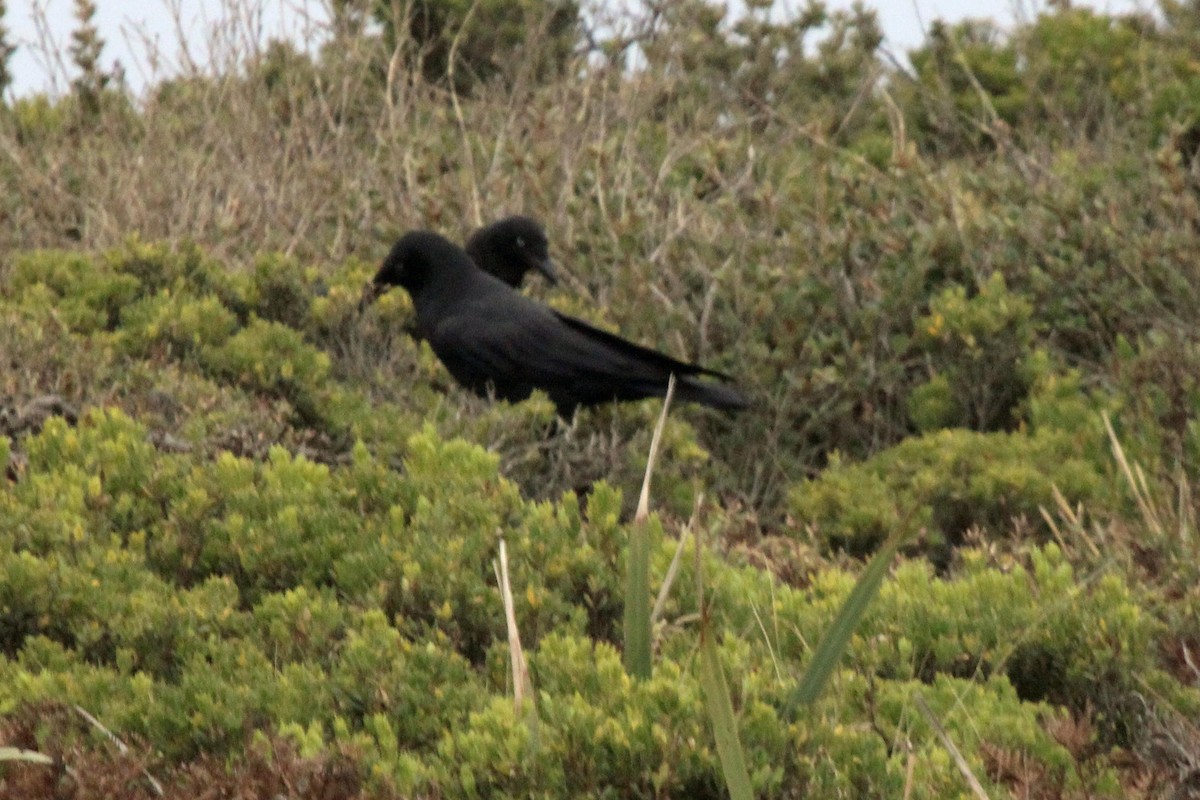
(511,247)
(495,340)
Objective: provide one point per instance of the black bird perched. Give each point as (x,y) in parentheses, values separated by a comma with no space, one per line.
(493,339)
(510,247)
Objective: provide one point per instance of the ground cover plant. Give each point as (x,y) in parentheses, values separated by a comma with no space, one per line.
(254,533)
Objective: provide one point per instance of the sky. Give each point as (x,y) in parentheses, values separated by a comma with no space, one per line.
(144,36)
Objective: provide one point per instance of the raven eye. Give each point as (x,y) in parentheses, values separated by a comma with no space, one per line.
(520,241)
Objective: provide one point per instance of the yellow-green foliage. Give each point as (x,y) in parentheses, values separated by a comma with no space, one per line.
(175,323)
(188,595)
(86,299)
(184,599)
(943,485)
(976,349)
(273,358)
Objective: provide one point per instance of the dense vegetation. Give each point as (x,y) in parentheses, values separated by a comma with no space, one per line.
(253,532)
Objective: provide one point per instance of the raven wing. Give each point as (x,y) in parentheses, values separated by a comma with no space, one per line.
(515,345)
(636,351)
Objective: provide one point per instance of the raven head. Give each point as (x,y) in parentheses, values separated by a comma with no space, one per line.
(413,261)
(510,248)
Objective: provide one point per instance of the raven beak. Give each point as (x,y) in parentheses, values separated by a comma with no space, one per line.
(548,268)
(370,294)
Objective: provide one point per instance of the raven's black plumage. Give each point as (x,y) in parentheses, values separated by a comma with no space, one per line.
(511,247)
(494,339)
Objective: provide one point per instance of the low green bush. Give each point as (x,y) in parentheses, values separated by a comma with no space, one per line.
(940,486)
(175,326)
(977,349)
(191,600)
(86,299)
(272,358)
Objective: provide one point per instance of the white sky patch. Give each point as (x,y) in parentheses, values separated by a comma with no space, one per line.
(154,39)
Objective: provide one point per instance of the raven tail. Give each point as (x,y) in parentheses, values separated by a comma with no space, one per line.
(714,395)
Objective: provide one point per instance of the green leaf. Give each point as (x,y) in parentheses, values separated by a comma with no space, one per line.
(720,712)
(830,650)
(637,603)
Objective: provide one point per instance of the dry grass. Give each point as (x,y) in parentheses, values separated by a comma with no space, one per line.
(653,200)
(274,154)
(82,770)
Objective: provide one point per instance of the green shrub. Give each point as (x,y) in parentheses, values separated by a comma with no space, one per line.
(275,513)
(272,358)
(182,268)
(976,349)
(356,606)
(281,290)
(421,688)
(1057,642)
(175,325)
(943,485)
(1070,73)
(487,38)
(597,727)
(87,298)
(967,79)
(98,480)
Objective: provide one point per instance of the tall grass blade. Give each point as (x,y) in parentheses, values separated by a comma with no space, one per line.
(720,713)
(522,685)
(523,696)
(664,591)
(637,584)
(829,651)
(643,506)
(963,767)
(17,754)
(637,602)
(716,698)
(120,745)
(1139,489)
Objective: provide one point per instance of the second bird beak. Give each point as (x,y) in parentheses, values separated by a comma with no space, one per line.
(548,268)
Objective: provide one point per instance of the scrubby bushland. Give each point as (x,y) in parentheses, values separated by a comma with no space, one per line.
(964,297)
(791,221)
(261,539)
(188,601)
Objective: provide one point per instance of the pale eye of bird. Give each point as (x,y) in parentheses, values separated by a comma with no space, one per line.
(520,241)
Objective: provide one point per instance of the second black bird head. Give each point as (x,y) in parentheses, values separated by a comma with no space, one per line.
(511,247)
